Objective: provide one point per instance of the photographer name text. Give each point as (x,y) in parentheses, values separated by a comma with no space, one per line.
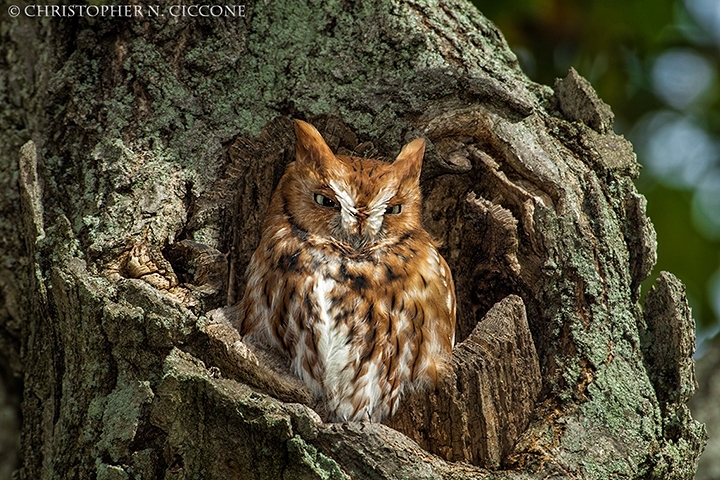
(127,11)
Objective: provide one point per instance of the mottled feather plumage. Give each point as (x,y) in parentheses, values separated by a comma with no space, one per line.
(348,283)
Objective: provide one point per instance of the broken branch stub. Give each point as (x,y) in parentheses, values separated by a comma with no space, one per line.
(485,402)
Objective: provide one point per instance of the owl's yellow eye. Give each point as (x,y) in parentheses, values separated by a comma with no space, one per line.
(324,201)
(393,210)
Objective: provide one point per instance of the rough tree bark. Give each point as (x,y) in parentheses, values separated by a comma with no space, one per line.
(138,157)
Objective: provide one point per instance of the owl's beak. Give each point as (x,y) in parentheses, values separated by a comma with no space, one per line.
(357,241)
(361,233)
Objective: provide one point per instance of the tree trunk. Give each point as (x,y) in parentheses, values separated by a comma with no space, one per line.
(138,159)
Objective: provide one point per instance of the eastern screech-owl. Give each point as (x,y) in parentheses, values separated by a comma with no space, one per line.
(348,283)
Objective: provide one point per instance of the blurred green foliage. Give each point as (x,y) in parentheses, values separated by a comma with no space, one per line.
(616,45)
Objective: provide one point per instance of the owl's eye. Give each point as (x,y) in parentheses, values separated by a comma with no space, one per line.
(393,210)
(324,201)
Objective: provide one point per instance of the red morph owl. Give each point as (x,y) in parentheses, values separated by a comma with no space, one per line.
(347,282)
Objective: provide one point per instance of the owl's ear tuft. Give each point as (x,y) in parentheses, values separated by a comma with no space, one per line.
(311,148)
(409,161)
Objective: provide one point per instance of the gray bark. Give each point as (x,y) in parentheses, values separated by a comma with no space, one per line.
(154,144)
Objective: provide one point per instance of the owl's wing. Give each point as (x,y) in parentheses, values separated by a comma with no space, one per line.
(450,299)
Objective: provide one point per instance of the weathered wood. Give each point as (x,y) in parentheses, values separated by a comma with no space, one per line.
(578,101)
(668,343)
(217,428)
(219,345)
(668,340)
(479,410)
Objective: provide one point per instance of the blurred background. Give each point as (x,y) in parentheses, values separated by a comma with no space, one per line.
(657,63)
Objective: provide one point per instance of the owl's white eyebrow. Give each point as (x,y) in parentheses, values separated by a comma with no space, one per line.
(376,208)
(380,202)
(347,202)
(341,192)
